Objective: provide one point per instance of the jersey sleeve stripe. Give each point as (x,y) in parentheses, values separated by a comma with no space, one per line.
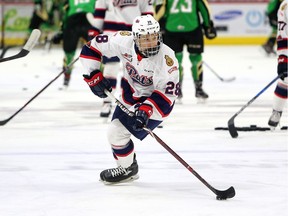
(282,44)
(116,26)
(99,13)
(90,53)
(161,103)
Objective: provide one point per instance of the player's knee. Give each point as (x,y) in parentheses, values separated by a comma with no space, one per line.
(117,134)
(195,58)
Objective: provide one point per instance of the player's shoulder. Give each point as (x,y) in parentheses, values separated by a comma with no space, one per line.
(166,49)
(167,54)
(167,59)
(122,37)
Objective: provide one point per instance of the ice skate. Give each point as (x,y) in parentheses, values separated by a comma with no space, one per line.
(268,49)
(274,119)
(120,174)
(200,94)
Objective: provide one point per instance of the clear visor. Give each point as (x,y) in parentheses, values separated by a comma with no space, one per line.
(149,44)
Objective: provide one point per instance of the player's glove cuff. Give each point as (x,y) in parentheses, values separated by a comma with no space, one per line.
(282,66)
(97,83)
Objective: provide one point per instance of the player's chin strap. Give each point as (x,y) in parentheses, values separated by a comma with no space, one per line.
(221,195)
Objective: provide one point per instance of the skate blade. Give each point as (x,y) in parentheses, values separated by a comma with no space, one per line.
(131,179)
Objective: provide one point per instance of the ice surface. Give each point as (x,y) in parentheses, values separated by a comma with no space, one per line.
(52,152)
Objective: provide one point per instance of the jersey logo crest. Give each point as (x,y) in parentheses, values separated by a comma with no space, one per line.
(169,61)
(136,77)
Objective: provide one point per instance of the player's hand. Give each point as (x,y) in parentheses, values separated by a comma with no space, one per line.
(282,66)
(210,31)
(57,38)
(97,83)
(92,32)
(142,115)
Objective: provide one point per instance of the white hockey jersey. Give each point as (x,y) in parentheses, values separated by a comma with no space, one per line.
(282,33)
(111,15)
(153,80)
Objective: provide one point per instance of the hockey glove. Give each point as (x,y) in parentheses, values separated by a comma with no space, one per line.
(97,83)
(282,66)
(210,31)
(142,115)
(92,32)
(57,38)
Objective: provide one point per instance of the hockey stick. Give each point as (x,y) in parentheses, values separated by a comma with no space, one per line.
(231,125)
(32,40)
(3,122)
(218,76)
(221,195)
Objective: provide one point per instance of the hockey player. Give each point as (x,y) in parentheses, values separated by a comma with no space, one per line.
(271,13)
(150,85)
(182,21)
(75,26)
(281,90)
(111,16)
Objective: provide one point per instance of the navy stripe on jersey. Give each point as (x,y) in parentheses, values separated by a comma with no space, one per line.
(127,94)
(116,26)
(99,13)
(282,44)
(161,103)
(91,53)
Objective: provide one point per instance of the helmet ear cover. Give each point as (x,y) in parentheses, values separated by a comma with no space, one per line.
(147,35)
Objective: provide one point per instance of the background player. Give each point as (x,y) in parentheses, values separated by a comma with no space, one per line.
(182,21)
(75,26)
(281,90)
(271,13)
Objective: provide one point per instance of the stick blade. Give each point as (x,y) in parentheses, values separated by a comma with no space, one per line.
(231,128)
(3,122)
(33,39)
(227,194)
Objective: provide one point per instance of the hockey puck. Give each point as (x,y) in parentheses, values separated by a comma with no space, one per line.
(24,89)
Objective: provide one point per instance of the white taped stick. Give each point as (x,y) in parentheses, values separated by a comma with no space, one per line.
(33,39)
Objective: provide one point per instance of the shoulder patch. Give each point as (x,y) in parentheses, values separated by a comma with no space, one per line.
(125,33)
(169,60)
(284,6)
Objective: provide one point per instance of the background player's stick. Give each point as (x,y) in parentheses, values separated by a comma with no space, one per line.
(221,195)
(33,39)
(231,125)
(217,75)
(3,122)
